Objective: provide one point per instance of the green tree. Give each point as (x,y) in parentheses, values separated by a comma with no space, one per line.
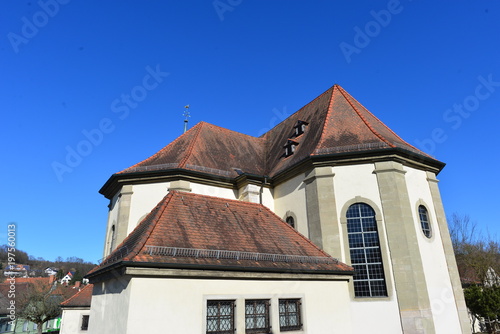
(77,276)
(60,274)
(484,301)
(478,260)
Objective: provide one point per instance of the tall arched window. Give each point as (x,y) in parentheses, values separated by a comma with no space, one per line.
(366,257)
(424,221)
(112,239)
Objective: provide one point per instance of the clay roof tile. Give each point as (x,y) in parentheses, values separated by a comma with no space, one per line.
(187,224)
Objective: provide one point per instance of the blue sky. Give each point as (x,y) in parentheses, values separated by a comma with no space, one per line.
(117,74)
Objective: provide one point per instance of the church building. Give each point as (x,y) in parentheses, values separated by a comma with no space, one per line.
(327,223)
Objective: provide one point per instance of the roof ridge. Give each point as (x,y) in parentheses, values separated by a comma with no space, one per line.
(300,109)
(161,150)
(191,145)
(327,117)
(233,131)
(388,128)
(344,93)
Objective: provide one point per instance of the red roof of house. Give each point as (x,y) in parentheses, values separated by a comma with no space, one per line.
(82,298)
(204,231)
(23,285)
(337,124)
(35,280)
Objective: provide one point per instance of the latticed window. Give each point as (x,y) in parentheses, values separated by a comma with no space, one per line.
(257,316)
(220,316)
(85,322)
(424,221)
(290,319)
(366,256)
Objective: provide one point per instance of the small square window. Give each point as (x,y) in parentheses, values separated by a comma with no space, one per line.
(257,316)
(220,316)
(290,317)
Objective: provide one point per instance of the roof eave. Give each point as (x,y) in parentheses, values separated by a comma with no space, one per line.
(357,157)
(117,180)
(119,269)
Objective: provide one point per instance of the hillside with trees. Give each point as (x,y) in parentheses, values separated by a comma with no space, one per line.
(37,265)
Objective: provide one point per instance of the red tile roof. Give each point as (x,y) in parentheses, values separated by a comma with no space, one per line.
(82,298)
(23,285)
(208,148)
(205,231)
(34,280)
(338,124)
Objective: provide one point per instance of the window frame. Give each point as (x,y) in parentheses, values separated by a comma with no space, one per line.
(368,250)
(267,316)
(85,322)
(217,317)
(425,224)
(287,315)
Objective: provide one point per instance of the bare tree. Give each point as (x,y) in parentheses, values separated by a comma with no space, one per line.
(478,260)
(37,303)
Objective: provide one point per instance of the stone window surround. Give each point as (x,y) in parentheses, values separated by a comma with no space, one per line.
(384,247)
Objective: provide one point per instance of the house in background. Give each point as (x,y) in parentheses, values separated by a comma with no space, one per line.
(50,271)
(18,270)
(20,287)
(62,292)
(67,278)
(196,234)
(76,311)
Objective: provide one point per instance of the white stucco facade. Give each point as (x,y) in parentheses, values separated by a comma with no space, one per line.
(72,318)
(159,304)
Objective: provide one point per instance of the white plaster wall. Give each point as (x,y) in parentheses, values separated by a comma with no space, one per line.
(204,189)
(144,198)
(436,273)
(376,317)
(71,321)
(268,198)
(180,304)
(350,182)
(110,307)
(291,196)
